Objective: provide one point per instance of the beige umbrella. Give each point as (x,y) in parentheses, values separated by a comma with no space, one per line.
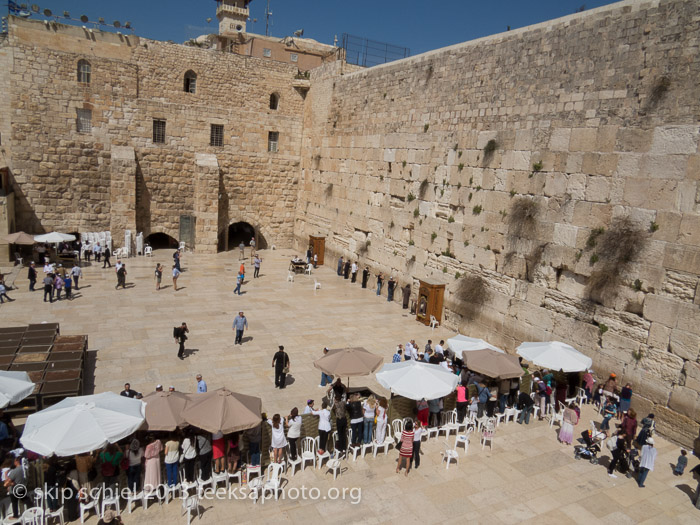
(493,364)
(164,410)
(348,362)
(20,238)
(223,411)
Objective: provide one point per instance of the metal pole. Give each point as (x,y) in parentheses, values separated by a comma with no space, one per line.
(267,19)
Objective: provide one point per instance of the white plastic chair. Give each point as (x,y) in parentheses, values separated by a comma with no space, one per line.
(110,498)
(388,442)
(58,513)
(182,246)
(87,507)
(153,493)
(202,484)
(273,482)
(308,451)
(293,463)
(487,433)
(499,416)
(251,471)
(234,475)
(352,449)
(308,269)
(397,429)
(190,504)
(133,497)
(449,423)
(220,477)
(510,413)
(320,457)
(33,516)
(290,277)
(581,396)
(148,251)
(335,466)
(463,439)
(450,453)
(368,446)
(433,322)
(554,416)
(317,285)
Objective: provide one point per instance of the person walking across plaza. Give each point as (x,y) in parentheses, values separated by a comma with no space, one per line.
(106,262)
(252,247)
(3,293)
(240,323)
(176,260)
(97,252)
(241,247)
(646,463)
(31,275)
(256,264)
(76,273)
(280,362)
(180,335)
(176,274)
(239,283)
(48,287)
(68,286)
(121,276)
(326,379)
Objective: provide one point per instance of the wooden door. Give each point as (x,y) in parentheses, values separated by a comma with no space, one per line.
(318,246)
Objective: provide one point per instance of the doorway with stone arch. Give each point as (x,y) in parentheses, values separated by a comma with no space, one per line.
(160,240)
(237,232)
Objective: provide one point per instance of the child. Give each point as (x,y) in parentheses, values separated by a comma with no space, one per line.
(682,463)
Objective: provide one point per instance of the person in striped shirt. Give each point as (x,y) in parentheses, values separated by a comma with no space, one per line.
(406,450)
(397,355)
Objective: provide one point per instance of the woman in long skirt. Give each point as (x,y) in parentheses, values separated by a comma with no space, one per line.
(151,478)
(569,420)
(380,433)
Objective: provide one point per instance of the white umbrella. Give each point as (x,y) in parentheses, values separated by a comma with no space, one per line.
(54,237)
(14,387)
(416,380)
(462,343)
(555,355)
(82,424)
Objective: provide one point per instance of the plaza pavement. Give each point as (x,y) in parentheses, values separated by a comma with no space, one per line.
(528,477)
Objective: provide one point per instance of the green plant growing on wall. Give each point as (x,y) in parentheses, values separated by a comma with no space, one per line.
(489,150)
(602,328)
(381,177)
(444,269)
(329,189)
(457,275)
(658,92)
(454,148)
(637,355)
(391,225)
(469,197)
(537,166)
(420,222)
(442,192)
(466,243)
(425,128)
(470,295)
(410,197)
(433,236)
(448,253)
(478,188)
(416,213)
(487,247)
(459,185)
(451,219)
(476,210)
(522,220)
(593,237)
(594,259)
(637,285)
(411,243)
(459,155)
(577,257)
(653,227)
(512,193)
(460,167)
(403,164)
(423,188)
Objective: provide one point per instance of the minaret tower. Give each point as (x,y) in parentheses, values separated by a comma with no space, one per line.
(232,16)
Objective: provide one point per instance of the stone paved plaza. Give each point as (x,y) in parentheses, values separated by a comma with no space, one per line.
(528,477)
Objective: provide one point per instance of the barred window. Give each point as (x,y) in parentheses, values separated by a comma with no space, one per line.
(273,138)
(267,53)
(84,71)
(216,137)
(84,120)
(158,130)
(190,82)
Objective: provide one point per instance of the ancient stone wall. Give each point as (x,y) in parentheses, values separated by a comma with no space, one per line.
(63,178)
(555,166)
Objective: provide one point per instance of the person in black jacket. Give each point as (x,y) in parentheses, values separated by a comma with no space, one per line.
(280,362)
(525,404)
(32,276)
(354,408)
(180,334)
(346,270)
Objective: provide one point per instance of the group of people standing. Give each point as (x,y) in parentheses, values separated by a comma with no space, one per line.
(349,270)
(56,281)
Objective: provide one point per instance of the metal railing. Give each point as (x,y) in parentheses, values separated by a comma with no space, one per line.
(367,53)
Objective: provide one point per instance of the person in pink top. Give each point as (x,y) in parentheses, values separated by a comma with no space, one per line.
(462,401)
(151,478)
(588,383)
(406,450)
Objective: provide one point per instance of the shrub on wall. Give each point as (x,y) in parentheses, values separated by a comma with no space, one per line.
(471,294)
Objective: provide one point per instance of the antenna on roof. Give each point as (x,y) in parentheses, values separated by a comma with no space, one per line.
(268,14)
(299,33)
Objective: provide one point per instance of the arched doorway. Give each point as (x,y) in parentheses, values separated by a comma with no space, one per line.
(240,232)
(161,240)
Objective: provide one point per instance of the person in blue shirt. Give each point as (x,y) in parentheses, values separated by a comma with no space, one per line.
(240,323)
(201,385)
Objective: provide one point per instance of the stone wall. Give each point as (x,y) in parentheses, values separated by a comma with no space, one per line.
(501,158)
(64,179)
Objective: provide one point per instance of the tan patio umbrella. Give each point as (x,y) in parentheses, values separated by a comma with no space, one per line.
(164,410)
(20,238)
(349,362)
(223,411)
(493,364)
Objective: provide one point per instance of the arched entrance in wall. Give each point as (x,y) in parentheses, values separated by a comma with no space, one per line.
(240,231)
(161,240)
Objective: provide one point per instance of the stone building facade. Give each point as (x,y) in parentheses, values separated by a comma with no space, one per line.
(548,175)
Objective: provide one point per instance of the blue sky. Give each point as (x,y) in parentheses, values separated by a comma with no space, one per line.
(420,25)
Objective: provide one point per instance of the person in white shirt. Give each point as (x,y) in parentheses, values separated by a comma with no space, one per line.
(439,348)
(324,426)
(278,440)
(646,463)
(189,454)
(309,406)
(353,271)
(414,350)
(293,422)
(76,273)
(417,434)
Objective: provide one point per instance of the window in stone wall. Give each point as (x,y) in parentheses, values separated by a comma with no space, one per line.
(274,101)
(216,137)
(158,130)
(294,57)
(84,71)
(84,120)
(267,53)
(190,82)
(273,138)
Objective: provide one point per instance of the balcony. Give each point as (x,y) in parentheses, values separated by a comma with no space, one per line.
(225,9)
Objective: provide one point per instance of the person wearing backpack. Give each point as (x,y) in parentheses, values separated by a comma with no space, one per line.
(110,458)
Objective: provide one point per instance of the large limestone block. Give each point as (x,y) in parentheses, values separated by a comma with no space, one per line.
(633,140)
(689,230)
(661,309)
(685,401)
(671,423)
(689,318)
(659,336)
(675,140)
(683,258)
(691,371)
(671,167)
(583,139)
(685,344)
(662,365)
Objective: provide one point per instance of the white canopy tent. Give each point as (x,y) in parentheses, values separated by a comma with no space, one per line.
(462,343)
(555,355)
(54,237)
(417,380)
(82,424)
(14,387)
